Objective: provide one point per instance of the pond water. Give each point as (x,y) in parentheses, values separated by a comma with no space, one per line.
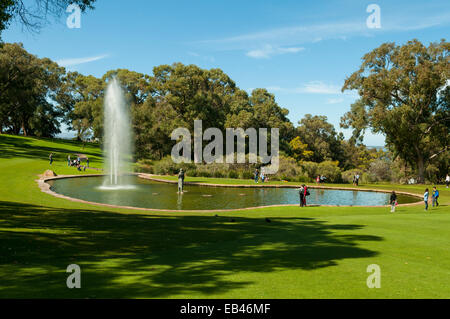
(150,194)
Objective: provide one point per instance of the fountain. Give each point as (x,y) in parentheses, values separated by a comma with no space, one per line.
(117,134)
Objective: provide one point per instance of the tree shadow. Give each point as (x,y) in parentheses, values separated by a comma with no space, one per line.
(21,147)
(157,256)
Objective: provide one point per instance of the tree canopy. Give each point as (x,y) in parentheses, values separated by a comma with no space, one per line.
(404,94)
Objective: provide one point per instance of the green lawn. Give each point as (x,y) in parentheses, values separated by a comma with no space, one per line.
(314,252)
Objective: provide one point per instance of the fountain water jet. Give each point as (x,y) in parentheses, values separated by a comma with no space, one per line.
(117,133)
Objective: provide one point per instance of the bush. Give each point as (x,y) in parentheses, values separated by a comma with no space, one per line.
(347,176)
(233,174)
(311,169)
(379,170)
(288,170)
(246,175)
(330,170)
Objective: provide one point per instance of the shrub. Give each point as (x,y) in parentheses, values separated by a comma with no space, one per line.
(311,169)
(347,176)
(379,170)
(330,170)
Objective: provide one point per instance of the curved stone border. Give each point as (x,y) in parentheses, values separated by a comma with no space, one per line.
(45,187)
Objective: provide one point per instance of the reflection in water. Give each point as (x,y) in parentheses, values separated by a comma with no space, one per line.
(180,201)
(151,194)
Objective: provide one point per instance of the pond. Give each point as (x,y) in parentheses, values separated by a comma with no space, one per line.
(150,194)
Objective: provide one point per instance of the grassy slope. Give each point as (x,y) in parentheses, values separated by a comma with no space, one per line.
(302,253)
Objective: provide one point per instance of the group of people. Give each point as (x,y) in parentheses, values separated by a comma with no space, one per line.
(261,175)
(303,192)
(77,163)
(434,197)
(320,179)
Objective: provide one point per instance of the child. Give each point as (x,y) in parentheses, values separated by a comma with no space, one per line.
(393,201)
(425,198)
(435,196)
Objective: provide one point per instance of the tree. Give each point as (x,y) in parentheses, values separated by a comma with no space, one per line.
(299,149)
(321,138)
(33,17)
(28,89)
(81,98)
(404,94)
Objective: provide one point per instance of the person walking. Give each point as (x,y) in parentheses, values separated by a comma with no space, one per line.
(87,161)
(357,179)
(318,179)
(301,195)
(434,197)
(68,160)
(447,180)
(393,201)
(262,176)
(180,181)
(51,158)
(256,176)
(425,198)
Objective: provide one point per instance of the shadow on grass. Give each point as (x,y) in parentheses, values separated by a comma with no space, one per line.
(157,256)
(22,147)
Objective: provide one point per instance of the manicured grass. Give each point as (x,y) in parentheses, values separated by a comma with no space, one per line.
(312,252)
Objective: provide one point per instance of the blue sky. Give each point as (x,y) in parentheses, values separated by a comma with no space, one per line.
(299,50)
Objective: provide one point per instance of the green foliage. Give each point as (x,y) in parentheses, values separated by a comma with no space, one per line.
(299,149)
(331,170)
(311,169)
(289,170)
(403,94)
(28,90)
(321,138)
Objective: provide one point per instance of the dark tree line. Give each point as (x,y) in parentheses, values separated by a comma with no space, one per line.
(403,94)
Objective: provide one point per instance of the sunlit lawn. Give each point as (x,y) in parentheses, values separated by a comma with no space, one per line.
(302,253)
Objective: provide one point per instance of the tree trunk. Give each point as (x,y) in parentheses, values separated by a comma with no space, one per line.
(420,166)
(24,130)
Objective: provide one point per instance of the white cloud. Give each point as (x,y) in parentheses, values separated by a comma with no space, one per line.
(335,100)
(312,87)
(267,51)
(343,30)
(77,61)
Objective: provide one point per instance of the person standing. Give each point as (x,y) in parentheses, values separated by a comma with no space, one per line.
(256,176)
(447,180)
(425,198)
(181,181)
(305,193)
(318,179)
(434,197)
(51,158)
(301,194)
(87,161)
(357,179)
(68,160)
(393,201)
(262,176)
